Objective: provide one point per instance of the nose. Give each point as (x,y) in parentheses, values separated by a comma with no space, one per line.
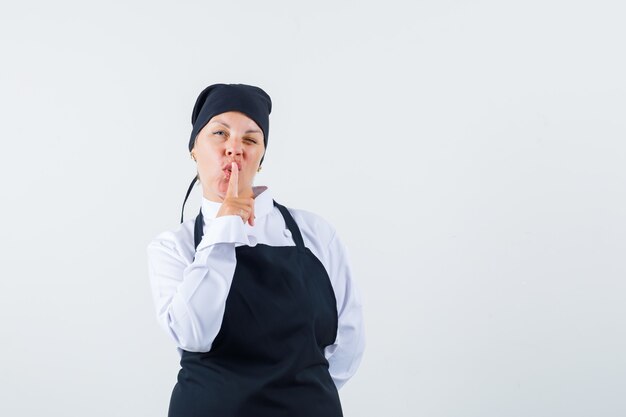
(234,147)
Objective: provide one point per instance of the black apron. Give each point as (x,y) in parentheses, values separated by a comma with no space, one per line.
(267,359)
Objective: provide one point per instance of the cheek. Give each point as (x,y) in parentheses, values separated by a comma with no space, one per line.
(210,156)
(210,168)
(259,154)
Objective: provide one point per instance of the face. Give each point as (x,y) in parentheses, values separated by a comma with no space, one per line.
(230,136)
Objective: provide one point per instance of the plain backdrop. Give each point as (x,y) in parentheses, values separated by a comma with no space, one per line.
(471,156)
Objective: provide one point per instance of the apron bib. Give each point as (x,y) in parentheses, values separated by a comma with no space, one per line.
(267,359)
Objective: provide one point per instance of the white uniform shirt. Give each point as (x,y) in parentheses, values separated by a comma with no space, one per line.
(190,295)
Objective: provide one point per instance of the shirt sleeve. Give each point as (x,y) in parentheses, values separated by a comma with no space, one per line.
(190,298)
(344,356)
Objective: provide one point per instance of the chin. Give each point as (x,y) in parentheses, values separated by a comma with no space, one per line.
(220,190)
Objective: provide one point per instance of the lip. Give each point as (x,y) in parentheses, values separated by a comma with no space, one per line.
(228,166)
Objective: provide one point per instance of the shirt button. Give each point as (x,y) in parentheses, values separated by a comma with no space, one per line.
(287,233)
(252,240)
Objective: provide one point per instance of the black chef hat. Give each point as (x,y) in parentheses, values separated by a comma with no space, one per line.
(220,98)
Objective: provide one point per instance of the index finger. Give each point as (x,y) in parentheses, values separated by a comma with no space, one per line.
(233,183)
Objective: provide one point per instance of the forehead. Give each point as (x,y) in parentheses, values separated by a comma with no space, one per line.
(234,118)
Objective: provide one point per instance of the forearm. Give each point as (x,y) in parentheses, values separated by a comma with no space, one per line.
(344,356)
(190,298)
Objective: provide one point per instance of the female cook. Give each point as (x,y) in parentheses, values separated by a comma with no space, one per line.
(259,298)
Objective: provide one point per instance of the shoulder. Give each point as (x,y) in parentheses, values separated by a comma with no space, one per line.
(177,241)
(315,228)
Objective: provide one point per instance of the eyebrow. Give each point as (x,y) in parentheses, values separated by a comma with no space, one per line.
(247,131)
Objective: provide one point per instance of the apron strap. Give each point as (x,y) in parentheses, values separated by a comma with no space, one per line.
(198,229)
(292,226)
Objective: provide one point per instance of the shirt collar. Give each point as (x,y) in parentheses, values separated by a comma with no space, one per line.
(263,203)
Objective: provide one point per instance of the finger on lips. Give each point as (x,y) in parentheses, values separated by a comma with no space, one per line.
(242,207)
(233,183)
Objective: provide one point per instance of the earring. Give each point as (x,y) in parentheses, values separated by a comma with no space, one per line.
(259,170)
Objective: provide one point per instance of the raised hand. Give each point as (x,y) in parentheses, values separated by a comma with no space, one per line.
(235,205)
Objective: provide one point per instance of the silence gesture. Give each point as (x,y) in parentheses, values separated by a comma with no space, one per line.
(235,205)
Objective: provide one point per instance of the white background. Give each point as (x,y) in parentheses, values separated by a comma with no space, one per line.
(470,154)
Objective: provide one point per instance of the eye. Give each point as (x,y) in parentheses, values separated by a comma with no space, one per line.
(251,140)
(219,131)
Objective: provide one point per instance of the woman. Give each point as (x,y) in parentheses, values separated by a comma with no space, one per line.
(258,298)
